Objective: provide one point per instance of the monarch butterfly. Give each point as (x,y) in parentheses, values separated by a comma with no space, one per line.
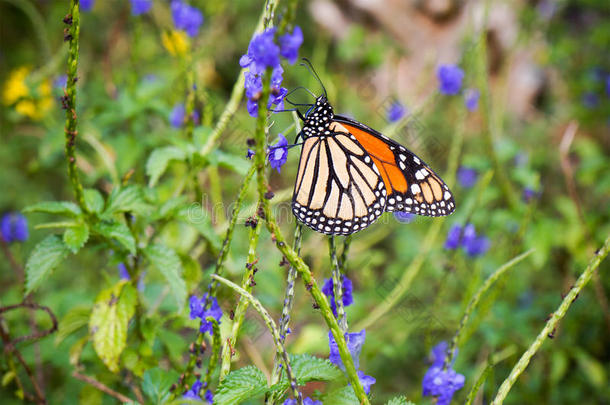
(349,174)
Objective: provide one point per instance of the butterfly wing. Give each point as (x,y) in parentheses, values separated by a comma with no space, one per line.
(338,190)
(412,186)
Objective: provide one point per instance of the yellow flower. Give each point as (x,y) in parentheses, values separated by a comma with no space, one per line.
(176,42)
(28,108)
(15,87)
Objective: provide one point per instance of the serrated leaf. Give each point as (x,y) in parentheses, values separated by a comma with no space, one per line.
(55,207)
(94,200)
(309,368)
(158,161)
(109,319)
(118,231)
(168,263)
(402,400)
(156,383)
(75,319)
(342,396)
(126,199)
(76,237)
(240,385)
(44,259)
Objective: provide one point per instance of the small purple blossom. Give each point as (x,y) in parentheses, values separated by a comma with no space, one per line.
(608,85)
(366,381)
(290,44)
(278,153)
(306,401)
(404,217)
(347,288)
(468,239)
(467,176)
(197,310)
(355,341)
(590,100)
(396,111)
(252,107)
(440,383)
(193,393)
(253,85)
(453,237)
(176,116)
(529,194)
(249,154)
(14,227)
(209,396)
(86,5)
(262,53)
(471,99)
(60,82)
(450,79)
(186,17)
(140,6)
(123,273)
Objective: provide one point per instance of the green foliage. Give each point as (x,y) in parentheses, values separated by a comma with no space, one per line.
(168,263)
(241,385)
(156,383)
(402,400)
(45,257)
(117,231)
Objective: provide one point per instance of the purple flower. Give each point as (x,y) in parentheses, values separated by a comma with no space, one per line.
(278,153)
(529,194)
(471,99)
(197,310)
(140,6)
(262,53)
(196,307)
(186,17)
(176,116)
(366,381)
(86,5)
(253,85)
(355,341)
(608,85)
(467,238)
(453,237)
(467,176)
(250,153)
(404,217)
(450,79)
(123,273)
(306,401)
(14,227)
(438,353)
(290,44)
(396,111)
(252,107)
(329,290)
(209,396)
(440,383)
(590,100)
(193,393)
(277,98)
(60,82)
(478,246)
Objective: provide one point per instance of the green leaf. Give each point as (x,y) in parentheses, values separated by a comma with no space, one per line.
(168,263)
(127,199)
(156,383)
(402,400)
(76,237)
(240,385)
(592,368)
(342,396)
(309,368)
(55,207)
(118,231)
(232,162)
(46,256)
(158,161)
(109,319)
(199,218)
(94,200)
(76,318)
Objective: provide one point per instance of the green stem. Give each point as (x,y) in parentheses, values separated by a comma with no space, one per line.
(479,383)
(215,350)
(70,103)
(242,305)
(477,297)
(346,244)
(272,328)
(337,285)
(551,323)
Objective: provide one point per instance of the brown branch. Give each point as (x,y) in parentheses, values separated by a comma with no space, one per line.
(36,334)
(9,255)
(100,386)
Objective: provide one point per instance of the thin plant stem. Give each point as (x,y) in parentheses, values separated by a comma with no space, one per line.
(480,381)
(215,350)
(102,387)
(346,244)
(73,22)
(551,323)
(477,297)
(337,285)
(242,305)
(272,328)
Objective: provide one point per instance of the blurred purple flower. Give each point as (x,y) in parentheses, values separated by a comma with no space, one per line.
(355,341)
(467,176)
(193,393)
(467,238)
(262,53)
(252,107)
(14,227)
(306,401)
(253,85)
(347,288)
(249,153)
(186,17)
(450,79)
(453,237)
(197,310)
(396,111)
(123,273)
(529,194)
(590,100)
(366,381)
(60,82)
(471,99)
(176,116)
(278,153)
(86,5)
(439,383)
(209,396)
(140,6)
(608,85)
(290,44)
(404,217)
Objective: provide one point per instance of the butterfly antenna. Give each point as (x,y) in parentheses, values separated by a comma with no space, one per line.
(301,87)
(309,67)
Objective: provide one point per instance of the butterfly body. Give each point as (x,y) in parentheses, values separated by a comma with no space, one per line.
(349,174)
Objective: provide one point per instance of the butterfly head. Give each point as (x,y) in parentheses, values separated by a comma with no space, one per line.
(318,118)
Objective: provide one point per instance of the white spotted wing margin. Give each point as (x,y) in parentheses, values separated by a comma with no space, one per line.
(338,189)
(426,193)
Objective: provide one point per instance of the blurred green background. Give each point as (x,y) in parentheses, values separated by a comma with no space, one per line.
(549,92)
